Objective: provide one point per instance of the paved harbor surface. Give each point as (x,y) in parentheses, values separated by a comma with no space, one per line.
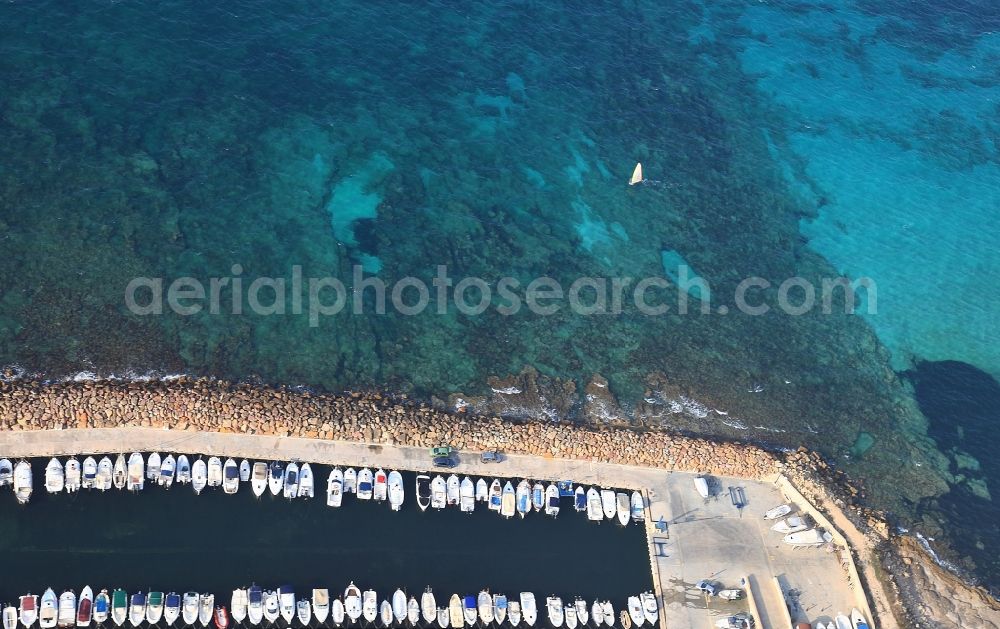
(689,538)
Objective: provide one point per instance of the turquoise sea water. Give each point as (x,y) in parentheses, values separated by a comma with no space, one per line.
(781,139)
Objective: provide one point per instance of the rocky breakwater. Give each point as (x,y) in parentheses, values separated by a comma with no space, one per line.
(368,417)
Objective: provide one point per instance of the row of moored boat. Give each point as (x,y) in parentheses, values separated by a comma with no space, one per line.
(256,606)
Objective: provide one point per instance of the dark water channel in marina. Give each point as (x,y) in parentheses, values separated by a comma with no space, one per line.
(174,540)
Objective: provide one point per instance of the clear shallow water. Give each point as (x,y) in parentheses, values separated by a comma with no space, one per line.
(175,540)
(784,139)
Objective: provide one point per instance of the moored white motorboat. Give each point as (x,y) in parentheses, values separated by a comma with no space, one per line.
(793,524)
(379,486)
(482,490)
(337,612)
(102,607)
(538,497)
(335,488)
(650,608)
(369,605)
(22,482)
(272,610)
(255,604)
(508,500)
(399,605)
(291,485)
(191,604)
(67,609)
(597,613)
(214,475)
(484,604)
(167,471)
(89,479)
(286,601)
(350,481)
(153,467)
(467,498)
(73,475)
(10,617)
(777,512)
(385,614)
(499,608)
(609,613)
(85,607)
(514,613)
(858,619)
(554,606)
(307,484)
(455,616)
(303,611)
(244,477)
(843,622)
(552,500)
(275,478)
(580,499)
(428,606)
(624,508)
(6,472)
(238,604)
(119,477)
(199,476)
(595,511)
(258,478)
(105,474)
(137,609)
(442,618)
(230,477)
(423,491)
(439,493)
(569,615)
(638,507)
(119,607)
(608,504)
(171,608)
(28,610)
(136,472)
(54,476)
(523,498)
(396,492)
(321,604)
(206,608)
(582,614)
(352,602)
(365,486)
(469,610)
(48,611)
(454,490)
(635,611)
(529,612)
(412,612)
(154,607)
(496,493)
(183,470)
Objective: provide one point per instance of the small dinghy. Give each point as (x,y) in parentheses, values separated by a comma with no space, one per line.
(136,472)
(206,609)
(171,608)
(636,175)
(439,493)
(554,606)
(258,478)
(858,619)
(508,501)
(778,512)
(650,608)
(214,474)
(230,477)
(291,488)
(365,484)
(105,474)
(469,610)
(369,606)
(89,480)
(552,500)
(102,608)
(496,491)
(335,488)
(442,618)
(609,613)
(183,470)
(793,524)
(597,613)
(638,507)
(380,487)
(6,472)
(307,485)
(28,610)
(303,611)
(514,613)
(499,608)
(396,493)
(455,616)
(48,613)
(624,508)
(423,491)
(569,612)
(701,486)
(238,604)
(352,602)
(272,610)
(608,504)
(119,607)
(199,476)
(399,605)
(635,614)
(221,617)
(286,602)
(137,609)
(321,604)
(153,467)
(85,607)
(22,482)
(580,500)
(523,494)
(428,606)
(167,469)
(154,607)
(350,481)
(484,604)
(119,477)
(275,478)
(67,609)
(412,612)
(190,607)
(337,612)
(482,491)
(385,614)
(54,476)
(538,497)
(467,499)
(454,490)
(810,537)
(255,604)
(528,610)
(244,477)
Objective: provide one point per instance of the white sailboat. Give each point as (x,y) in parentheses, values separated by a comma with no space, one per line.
(467,496)
(183,470)
(214,471)
(379,486)
(352,602)
(54,476)
(321,604)
(89,479)
(291,484)
(350,481)
(199,476)
(167,471)
(244,471)
(439,493)
(554,606)
(454,490)
(636,175)
(22,482)
(307,483)
(396,492)
(528,610)
(136,472)
(335,488)
(365,486)
(153,467)
(258,478)
(428,606)
(105,474)
(275,478)
(230,477)
(119,477)
(272,610)
(482,491)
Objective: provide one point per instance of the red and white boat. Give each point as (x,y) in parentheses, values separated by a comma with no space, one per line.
(381,486)
(29,609)
(221,617)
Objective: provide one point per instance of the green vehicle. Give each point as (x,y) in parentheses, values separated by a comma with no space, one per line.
(443,456)
(119,606)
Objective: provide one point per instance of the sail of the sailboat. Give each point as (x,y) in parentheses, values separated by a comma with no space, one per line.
(636,175)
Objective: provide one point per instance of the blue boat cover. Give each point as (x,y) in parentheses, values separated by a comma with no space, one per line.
(100,605)
(173,600)
(470,602)
(565,488)
(255,595)
(138,598)
(581,500)
(364,486)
